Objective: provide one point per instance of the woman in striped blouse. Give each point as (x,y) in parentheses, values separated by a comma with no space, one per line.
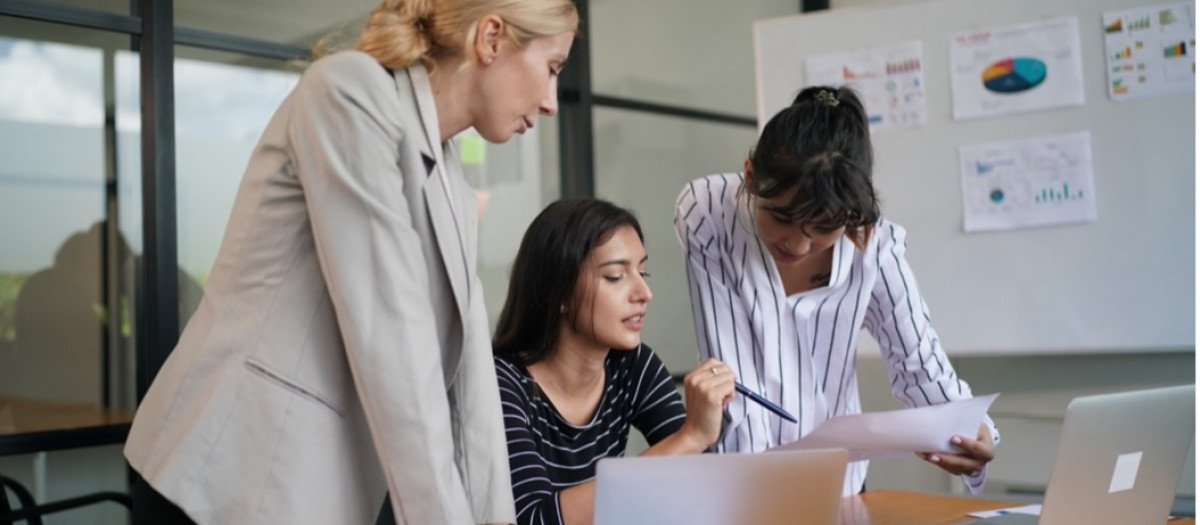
(573,373)
(788,261)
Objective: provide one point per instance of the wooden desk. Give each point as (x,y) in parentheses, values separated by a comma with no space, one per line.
(30,425)
(884,507)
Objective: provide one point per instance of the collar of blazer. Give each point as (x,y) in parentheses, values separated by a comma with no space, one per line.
(441,198)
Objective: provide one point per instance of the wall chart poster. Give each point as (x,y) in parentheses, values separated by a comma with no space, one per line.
(1016,69)
(1150,51)
(890,80)
(1039,181)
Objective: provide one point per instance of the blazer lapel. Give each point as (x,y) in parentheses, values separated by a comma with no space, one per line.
(445,209)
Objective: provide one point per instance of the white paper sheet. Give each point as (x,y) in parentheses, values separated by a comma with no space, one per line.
(1016,69)
(899,433)
(890,80)
(1038,181)
(1150,51)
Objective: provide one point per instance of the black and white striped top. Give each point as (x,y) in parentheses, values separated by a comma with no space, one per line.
(799,350)
(546,454)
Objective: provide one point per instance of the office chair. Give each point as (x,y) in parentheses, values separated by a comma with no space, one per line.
(29,512)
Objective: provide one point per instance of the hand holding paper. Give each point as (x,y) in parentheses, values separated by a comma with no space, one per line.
(898,433)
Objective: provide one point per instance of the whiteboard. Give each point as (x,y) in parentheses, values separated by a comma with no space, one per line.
(1124,283)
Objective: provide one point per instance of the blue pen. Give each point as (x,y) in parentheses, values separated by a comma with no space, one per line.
(763,401)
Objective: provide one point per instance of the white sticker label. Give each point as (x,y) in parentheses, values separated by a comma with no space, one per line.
(1125,472)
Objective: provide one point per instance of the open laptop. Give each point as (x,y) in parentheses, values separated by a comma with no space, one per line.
(784,487)
(1119,460)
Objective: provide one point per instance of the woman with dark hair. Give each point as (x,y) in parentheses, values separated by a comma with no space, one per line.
(572,370)
(789,261)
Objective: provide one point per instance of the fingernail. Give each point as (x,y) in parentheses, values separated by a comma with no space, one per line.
(934,458)
(956,440)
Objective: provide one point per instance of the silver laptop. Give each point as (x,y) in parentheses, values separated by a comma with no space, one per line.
(1119,460)
(726,489)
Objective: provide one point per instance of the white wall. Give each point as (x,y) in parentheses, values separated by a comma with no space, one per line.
(1040,380)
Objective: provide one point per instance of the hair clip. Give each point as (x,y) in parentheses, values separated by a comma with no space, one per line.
(827,97)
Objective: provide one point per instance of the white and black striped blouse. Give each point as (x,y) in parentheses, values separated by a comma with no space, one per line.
(546,454)
(799,350)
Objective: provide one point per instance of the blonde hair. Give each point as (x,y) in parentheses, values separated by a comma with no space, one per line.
(400,33)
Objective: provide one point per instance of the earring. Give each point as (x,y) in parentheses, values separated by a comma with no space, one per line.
(562,308)
(487,61)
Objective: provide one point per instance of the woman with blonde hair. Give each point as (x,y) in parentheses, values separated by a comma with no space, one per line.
(341,350)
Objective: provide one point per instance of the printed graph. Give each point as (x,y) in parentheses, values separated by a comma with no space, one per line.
(850,76)
(1150,51)
(1031,182)
(1058,194)
(1167,17)
(1178,49)
(1014,75)
(904,67)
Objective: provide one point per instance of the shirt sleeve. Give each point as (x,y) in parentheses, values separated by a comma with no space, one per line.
(536,500)
(721,322)
(898,319)
(658,407)
(720,315)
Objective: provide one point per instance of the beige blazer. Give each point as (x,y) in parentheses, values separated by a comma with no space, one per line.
(341,349)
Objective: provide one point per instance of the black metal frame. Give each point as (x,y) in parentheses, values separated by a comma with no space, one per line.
(134,26)
(674,111)
(51,440)
(158,316)
(575,144)
(68,15)
(813,5)
(30,512)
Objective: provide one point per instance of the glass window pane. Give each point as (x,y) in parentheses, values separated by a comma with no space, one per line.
(642,163)
(221,108)
(60,362)
(515,180)
(300,24)
(691,53)
(52,197)
(220,111)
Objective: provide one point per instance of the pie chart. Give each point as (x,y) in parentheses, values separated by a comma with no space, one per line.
(1014,75)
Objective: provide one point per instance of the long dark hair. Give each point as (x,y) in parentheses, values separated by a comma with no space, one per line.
(546,271)
(820,147)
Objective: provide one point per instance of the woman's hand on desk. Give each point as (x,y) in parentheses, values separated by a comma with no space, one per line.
(975,453)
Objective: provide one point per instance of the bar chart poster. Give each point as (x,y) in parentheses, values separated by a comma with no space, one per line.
(1027,183)
(890,80)
(1016,69)
(1150,51)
